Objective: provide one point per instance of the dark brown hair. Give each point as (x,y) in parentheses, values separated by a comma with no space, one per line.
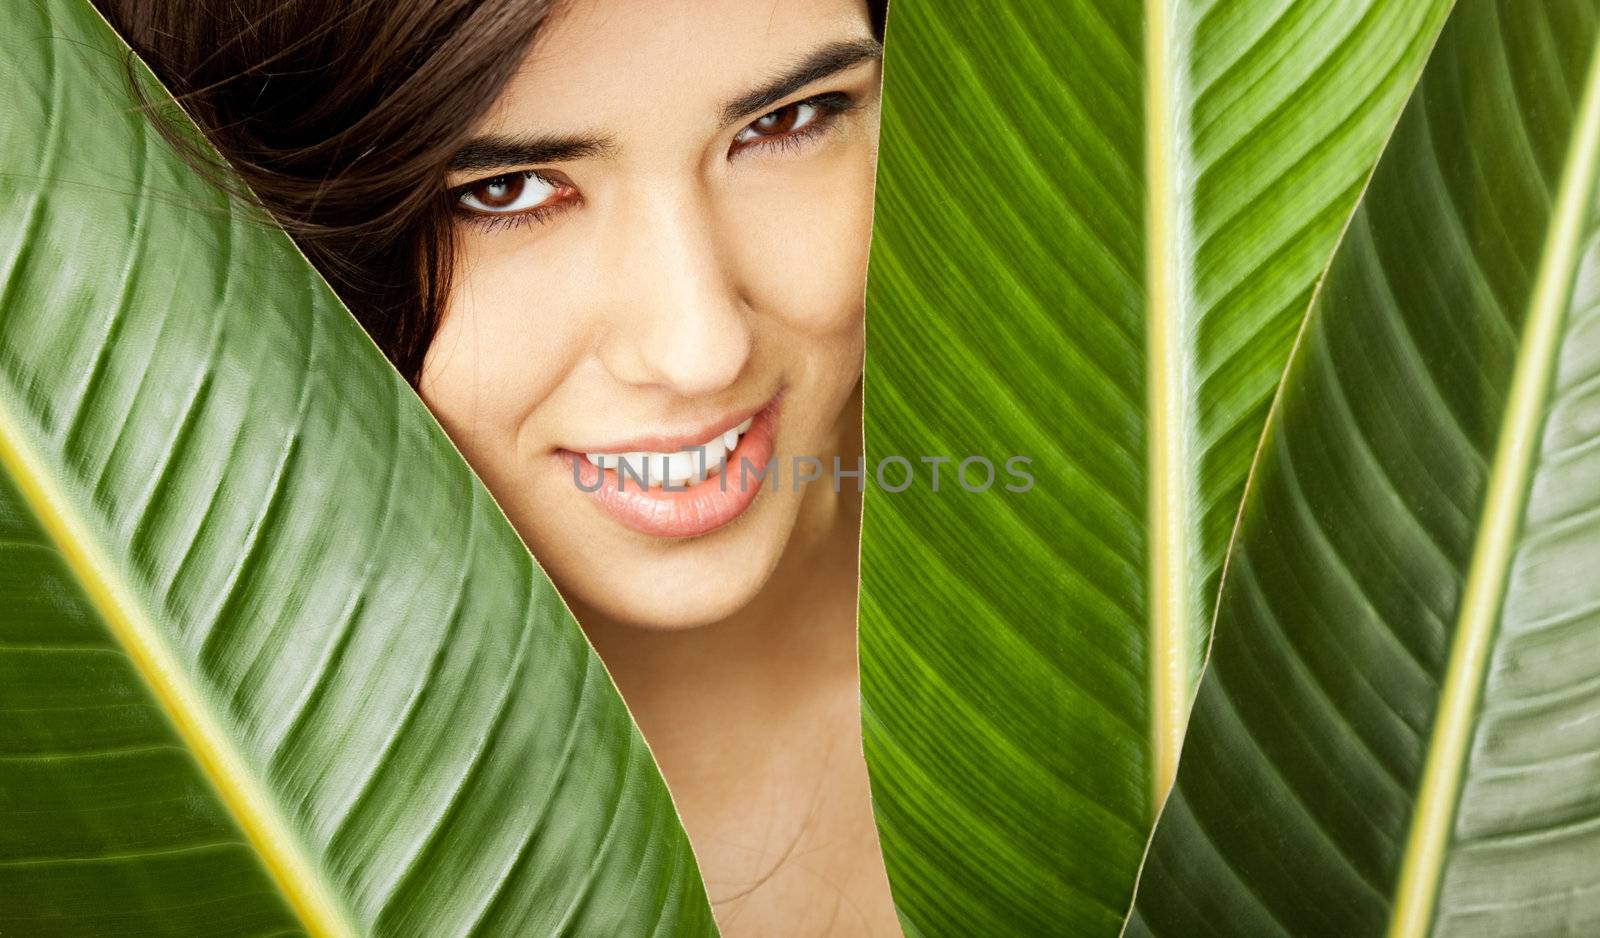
(339,117)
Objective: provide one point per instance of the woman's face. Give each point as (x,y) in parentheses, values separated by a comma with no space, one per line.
(662,247)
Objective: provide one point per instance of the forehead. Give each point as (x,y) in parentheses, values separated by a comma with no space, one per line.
(609,65)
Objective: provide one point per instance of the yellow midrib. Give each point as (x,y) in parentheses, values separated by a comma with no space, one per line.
(1423,864)
(125,617)
(1167,521)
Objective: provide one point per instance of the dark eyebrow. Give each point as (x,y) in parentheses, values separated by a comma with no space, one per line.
(498,152)
(495,152)
(825,61)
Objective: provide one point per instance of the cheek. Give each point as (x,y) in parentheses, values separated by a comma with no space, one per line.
(807,236)
(501,347)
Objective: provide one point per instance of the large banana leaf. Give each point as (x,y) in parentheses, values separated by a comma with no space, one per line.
(1099,226)
(271,659)
(1400,727)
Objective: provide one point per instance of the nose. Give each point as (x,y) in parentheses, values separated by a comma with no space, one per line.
(679,318)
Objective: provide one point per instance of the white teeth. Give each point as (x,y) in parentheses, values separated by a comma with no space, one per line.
(691,465)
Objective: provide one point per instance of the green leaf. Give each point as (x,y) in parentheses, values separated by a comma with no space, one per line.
(1399,730)
(271,659)
(1098,228)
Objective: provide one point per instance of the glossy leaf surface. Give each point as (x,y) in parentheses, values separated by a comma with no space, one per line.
(271,660)
(1098,228)
(1399,730)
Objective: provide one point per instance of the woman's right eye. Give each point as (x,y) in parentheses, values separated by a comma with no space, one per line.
(512,194)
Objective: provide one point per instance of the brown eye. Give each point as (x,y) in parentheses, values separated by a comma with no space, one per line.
(786,121)
(500,192)
(780,121)
(512,193)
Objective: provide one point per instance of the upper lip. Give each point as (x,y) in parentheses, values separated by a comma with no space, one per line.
(673,443)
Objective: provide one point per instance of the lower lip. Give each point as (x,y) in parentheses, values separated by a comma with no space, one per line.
(692,510)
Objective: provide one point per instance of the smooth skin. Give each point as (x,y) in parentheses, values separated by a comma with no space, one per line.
(692,242)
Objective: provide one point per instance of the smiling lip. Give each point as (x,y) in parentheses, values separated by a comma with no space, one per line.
(680,511)
(672,444)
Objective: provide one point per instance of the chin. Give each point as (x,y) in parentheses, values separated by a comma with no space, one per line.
(680,612)
(692,585)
